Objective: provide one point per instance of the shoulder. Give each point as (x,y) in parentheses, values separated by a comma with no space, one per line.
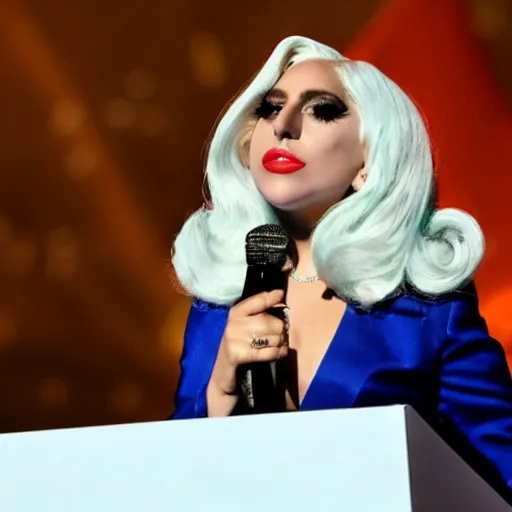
(413,300)
(205,326)
(203,314)
(448,324)
(204,306)
(437,313)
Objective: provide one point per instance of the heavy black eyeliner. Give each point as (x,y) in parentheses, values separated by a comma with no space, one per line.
(266,109)
(329,111)
(326,109)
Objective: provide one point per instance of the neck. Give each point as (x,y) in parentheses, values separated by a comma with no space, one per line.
(305,266)
(301,230)
(300,225)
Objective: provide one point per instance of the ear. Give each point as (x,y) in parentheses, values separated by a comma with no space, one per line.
(360,178)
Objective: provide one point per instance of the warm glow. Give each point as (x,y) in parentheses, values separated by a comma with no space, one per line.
(119,113)
(171,333)
(207,60)
(489,21)
(81,161)
(126,397)
(61,254)
(8,330)
(496,310)
(6,231)
(19,256)
(152,120)
(53,392)
(67,117)
(141,84)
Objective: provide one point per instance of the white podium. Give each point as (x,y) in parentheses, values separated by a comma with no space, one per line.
(356,460)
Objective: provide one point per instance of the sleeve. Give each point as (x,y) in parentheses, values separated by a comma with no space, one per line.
(475,400)
(203,332)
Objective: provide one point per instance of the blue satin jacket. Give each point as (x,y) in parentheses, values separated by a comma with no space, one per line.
(435,355)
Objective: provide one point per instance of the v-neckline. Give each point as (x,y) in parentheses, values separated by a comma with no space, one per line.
(324,360)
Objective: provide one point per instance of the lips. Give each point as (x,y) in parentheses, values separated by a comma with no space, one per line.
(280,161)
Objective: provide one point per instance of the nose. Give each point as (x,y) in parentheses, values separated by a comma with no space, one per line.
(287,124)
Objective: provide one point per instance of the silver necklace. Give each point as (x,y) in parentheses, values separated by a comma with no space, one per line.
(303,279)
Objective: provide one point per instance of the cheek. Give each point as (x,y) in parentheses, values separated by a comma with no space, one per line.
(258,145)
(337,147)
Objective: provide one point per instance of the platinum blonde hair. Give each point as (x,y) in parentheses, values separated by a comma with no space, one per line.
(369,244)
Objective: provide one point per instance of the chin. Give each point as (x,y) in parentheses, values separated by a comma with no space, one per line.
(281,192)
(304,204)
(289,194)
(289,203)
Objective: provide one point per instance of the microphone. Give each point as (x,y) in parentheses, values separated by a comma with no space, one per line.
(267,248)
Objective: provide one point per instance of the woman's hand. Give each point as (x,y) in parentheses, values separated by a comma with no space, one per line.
(247,321)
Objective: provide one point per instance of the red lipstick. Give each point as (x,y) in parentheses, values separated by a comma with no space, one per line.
(280,161)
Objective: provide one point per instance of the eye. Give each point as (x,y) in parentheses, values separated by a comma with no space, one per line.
(327,110)
(266,109)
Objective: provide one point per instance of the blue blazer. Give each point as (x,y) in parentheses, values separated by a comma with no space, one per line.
(435,355)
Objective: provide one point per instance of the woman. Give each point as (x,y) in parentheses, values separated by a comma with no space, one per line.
(381,306)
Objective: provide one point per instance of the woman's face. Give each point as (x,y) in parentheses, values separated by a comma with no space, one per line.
(308,115)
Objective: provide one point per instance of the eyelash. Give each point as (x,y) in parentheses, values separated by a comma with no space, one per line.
(323,110)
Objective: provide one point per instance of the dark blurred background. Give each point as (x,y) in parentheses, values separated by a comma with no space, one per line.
(105,109)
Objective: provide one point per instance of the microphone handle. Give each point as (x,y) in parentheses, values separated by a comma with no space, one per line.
(262,389)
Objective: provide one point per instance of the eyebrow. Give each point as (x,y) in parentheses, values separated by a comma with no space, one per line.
(279,94)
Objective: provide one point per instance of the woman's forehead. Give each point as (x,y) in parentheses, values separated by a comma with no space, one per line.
(311,75)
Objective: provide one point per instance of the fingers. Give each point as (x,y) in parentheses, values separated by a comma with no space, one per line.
(266,324)
(267,327)
(269,341)
(241,343)
(242,351)
(273,339)
(277,348)
(268,354)
(249,320)
(258,303)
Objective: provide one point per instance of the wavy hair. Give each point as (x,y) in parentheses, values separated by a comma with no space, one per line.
(368,245)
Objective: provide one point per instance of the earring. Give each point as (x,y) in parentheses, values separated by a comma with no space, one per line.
(359,181)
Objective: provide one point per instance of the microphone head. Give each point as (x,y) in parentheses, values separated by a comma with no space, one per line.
(268,244)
